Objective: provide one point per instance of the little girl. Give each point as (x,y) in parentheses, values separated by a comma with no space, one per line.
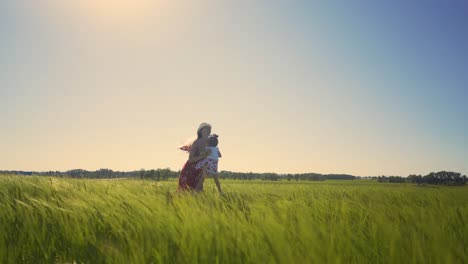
(210,163)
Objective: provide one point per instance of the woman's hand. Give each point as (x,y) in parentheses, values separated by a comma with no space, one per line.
(200,156)
(206,153)
(197,152)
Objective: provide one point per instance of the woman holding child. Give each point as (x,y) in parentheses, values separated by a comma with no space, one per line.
(203,160)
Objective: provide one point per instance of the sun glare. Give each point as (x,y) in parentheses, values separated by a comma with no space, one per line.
(116,11)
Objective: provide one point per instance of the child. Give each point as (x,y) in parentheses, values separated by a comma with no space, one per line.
(210,163)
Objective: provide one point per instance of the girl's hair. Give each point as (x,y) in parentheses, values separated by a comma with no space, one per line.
(213,140)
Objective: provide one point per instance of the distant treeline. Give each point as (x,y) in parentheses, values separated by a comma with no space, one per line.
(158,174)
(165,174)
(440,178)
(289,177)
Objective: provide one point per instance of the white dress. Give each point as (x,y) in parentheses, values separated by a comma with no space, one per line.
(210,163)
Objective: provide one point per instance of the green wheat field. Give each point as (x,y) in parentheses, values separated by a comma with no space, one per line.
(61,220)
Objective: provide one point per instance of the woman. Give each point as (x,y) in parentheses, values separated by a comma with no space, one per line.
(190,177)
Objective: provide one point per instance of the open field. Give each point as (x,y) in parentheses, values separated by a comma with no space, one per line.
(139,221)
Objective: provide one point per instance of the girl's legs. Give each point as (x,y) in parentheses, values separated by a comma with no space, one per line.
(218,185)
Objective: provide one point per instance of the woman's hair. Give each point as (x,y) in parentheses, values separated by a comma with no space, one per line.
(213,140)
(187,146)
(199,134)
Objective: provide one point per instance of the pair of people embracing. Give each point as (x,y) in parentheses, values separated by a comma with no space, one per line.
(202,161)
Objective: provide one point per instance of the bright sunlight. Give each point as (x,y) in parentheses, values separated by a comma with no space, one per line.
(115,12)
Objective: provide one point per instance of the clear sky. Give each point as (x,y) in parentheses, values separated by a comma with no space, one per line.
(359,87)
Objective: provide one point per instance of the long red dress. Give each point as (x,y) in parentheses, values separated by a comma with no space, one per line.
(189,176)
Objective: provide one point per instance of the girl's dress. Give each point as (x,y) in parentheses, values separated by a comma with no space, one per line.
(210,163)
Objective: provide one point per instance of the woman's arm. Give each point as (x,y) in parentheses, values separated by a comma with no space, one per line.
(197,158)
(219,154)
(195,153)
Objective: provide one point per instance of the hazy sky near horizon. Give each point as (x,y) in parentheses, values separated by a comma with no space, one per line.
(358,87)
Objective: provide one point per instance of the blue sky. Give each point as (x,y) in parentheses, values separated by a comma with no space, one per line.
(362,87)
